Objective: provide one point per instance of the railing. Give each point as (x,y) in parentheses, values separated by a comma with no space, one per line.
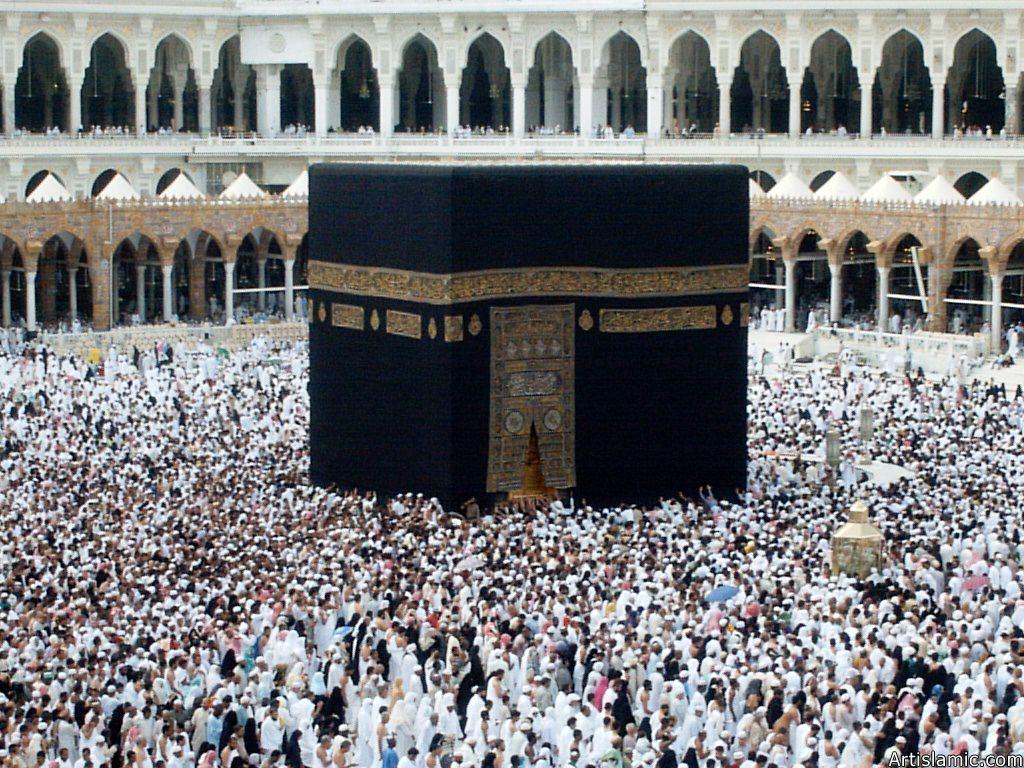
(145,336)
(930,351)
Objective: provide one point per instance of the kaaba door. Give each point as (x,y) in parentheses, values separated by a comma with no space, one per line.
(533,383)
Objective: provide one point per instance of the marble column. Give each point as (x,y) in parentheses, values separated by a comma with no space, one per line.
(229,291)
(790,295)
(883,299)
(74,105)
(866,105)
(179,104)
(938,106)
(30,301)
(168,273)
(836,293)
(289,288)
(794,109)
(724,106)
(205,110)
(518,107)
(655,106)
(997,311)
(386,107)
(261,283)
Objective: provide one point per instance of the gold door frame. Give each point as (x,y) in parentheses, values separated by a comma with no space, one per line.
(533,381)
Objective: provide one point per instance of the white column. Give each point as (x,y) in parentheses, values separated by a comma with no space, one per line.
(205,110)
(997,312)
(289,288)
(1011,110)
(74,105)
(586,101)
(866,105)
(30,301)
(780,280)
(938,107)
(794,109)
(724,106)
(387,106)
(518,107)
(168,270)
(73,292)
(268,99)
(152,110)
(229,291)
(179,103)
(655,106)
(321,91)
(5,300)
(8,83)
(140,291)
(451,101)
(883,298)
(836,293)
(790,295)
(261,282)
(140,105)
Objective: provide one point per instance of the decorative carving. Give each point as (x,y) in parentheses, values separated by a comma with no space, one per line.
(374,320)
(322,312)
(432,328)
(475,326)
(586,320)
(532,383)
(431,288)
(348,316)
(657,319)
(453,328)
(404,324)
(726,316)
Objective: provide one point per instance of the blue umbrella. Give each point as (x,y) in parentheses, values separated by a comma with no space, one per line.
(722,593)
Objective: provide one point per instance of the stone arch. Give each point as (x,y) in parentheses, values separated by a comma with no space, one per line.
(968,281)
(691,83)
(485,94)
(172,98)
(565,36)
(169,176)
(421,85)
(108,90)
(819,181)
(102,179)
(623,62)
(356,82)
(830,89)
(37,178)
(763,179)
(63,286)
(969,183)
(974,84)
(550,86)
(760,88)
(902,90)
(41,93)
(137,289)
(233,93)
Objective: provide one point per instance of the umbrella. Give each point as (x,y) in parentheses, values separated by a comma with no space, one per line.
(722,593)
(470,563)
(972,583)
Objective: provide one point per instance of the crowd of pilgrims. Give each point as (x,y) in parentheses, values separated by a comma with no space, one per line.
(175,594)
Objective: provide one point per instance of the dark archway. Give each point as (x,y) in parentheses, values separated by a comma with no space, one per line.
(234,90)
(108,96)
(760,87)
(763,179)
(830,94)
(975,86)
(41,92)
(550,96)
(902,91)
(627,83)
(172,98)
(360,91)
(970,183)
(421,87)
(694,85)
(485,96)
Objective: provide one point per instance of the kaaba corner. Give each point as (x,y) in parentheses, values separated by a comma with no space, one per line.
(528,330)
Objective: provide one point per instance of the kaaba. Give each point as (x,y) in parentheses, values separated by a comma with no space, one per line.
(489,332)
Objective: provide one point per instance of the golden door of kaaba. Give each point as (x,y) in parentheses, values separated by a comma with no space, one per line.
(533,384)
